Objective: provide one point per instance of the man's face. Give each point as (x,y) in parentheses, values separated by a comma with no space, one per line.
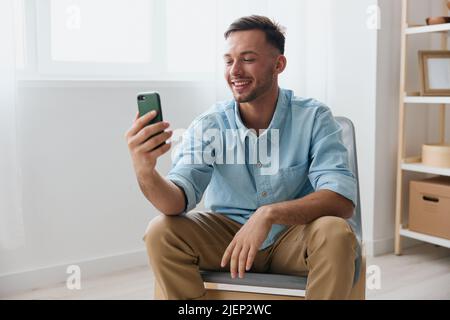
(250,64)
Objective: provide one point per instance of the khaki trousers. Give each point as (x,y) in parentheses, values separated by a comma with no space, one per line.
(179,246)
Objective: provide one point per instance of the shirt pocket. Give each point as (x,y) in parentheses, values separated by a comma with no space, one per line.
(290,181)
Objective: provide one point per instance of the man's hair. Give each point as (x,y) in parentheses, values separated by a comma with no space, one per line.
(273,31)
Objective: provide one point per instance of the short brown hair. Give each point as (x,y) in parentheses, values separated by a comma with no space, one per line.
(274,32)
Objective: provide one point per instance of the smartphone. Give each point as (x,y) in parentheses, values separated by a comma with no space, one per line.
(149,101)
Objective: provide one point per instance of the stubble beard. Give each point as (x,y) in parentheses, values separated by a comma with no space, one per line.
(257,91)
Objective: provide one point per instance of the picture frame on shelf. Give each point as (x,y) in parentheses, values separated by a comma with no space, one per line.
(434,68)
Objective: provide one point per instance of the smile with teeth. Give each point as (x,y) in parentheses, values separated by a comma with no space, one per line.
(240,84)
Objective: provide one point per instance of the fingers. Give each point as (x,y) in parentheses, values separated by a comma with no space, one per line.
(240,258)
(161,150)
(140,122)
(227,254)
(250,258)
(151,130)
(243,256)
(155,141)
(128,133)
(234,260)
(147,132)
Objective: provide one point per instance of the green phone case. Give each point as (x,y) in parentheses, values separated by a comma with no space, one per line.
(149,101)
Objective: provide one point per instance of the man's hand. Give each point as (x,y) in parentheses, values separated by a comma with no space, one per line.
(143,148)
(143,142)
(241,252)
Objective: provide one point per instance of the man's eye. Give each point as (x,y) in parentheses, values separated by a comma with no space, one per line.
(228,63)
(249,60)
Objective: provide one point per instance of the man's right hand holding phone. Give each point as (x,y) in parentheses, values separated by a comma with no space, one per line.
(143,141)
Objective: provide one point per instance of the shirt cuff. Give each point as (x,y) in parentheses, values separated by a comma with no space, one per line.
(339,183)
(188,189)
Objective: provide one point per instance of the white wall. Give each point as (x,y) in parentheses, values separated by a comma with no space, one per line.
(353,91)
(81,200)
(386,117)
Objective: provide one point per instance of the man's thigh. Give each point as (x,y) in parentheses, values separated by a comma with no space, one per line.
(290,252)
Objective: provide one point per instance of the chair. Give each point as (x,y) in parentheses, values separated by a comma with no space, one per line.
(268,286)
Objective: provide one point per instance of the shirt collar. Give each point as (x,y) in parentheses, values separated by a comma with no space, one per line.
(283,103)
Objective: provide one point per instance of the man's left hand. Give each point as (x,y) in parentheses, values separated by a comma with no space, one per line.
(242,250)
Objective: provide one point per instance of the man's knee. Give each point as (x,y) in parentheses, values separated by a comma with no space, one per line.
(333,232)
(159,231)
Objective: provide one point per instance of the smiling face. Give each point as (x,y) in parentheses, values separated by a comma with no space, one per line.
(252,65)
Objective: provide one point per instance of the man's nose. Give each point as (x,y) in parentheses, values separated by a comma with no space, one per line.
(236,69)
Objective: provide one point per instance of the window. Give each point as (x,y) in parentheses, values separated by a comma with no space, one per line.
(19,30)
(148,39)
(136,39)
(194,28)
(101,31)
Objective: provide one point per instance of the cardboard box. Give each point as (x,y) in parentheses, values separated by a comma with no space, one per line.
(429,206)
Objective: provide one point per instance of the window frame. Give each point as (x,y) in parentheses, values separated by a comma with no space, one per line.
(41,66)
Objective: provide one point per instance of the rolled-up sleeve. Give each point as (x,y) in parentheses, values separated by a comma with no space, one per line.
(191,176)
(329,167)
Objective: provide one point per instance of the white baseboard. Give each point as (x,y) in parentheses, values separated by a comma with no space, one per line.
(13,283)
(379,247)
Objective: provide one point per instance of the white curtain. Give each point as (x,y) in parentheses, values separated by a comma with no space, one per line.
(11,222)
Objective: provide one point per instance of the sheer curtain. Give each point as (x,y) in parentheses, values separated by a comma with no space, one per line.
(11,222)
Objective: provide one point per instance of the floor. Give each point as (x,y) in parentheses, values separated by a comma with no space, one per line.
(422,272)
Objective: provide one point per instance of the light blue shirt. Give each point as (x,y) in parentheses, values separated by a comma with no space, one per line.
(312,157)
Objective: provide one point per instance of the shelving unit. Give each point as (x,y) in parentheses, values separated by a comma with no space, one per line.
(414,164)
(426,99)
(419,167)
(425,237)
(426,29)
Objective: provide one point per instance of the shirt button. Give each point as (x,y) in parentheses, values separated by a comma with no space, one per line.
(259,165)
(264,194)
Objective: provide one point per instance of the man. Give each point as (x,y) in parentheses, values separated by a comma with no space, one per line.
(292,221)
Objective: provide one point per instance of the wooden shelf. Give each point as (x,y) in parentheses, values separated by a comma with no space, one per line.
(427,99)
(419,167)
(408,99)
(425,237)
(445,27)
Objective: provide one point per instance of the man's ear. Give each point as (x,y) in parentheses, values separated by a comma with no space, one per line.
(281,64)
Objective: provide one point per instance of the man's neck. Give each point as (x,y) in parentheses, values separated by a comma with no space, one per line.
(258,113)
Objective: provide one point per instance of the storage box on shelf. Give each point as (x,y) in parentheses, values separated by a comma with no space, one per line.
(429,207)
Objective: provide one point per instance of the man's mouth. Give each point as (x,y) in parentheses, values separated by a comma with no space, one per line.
(240,85)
